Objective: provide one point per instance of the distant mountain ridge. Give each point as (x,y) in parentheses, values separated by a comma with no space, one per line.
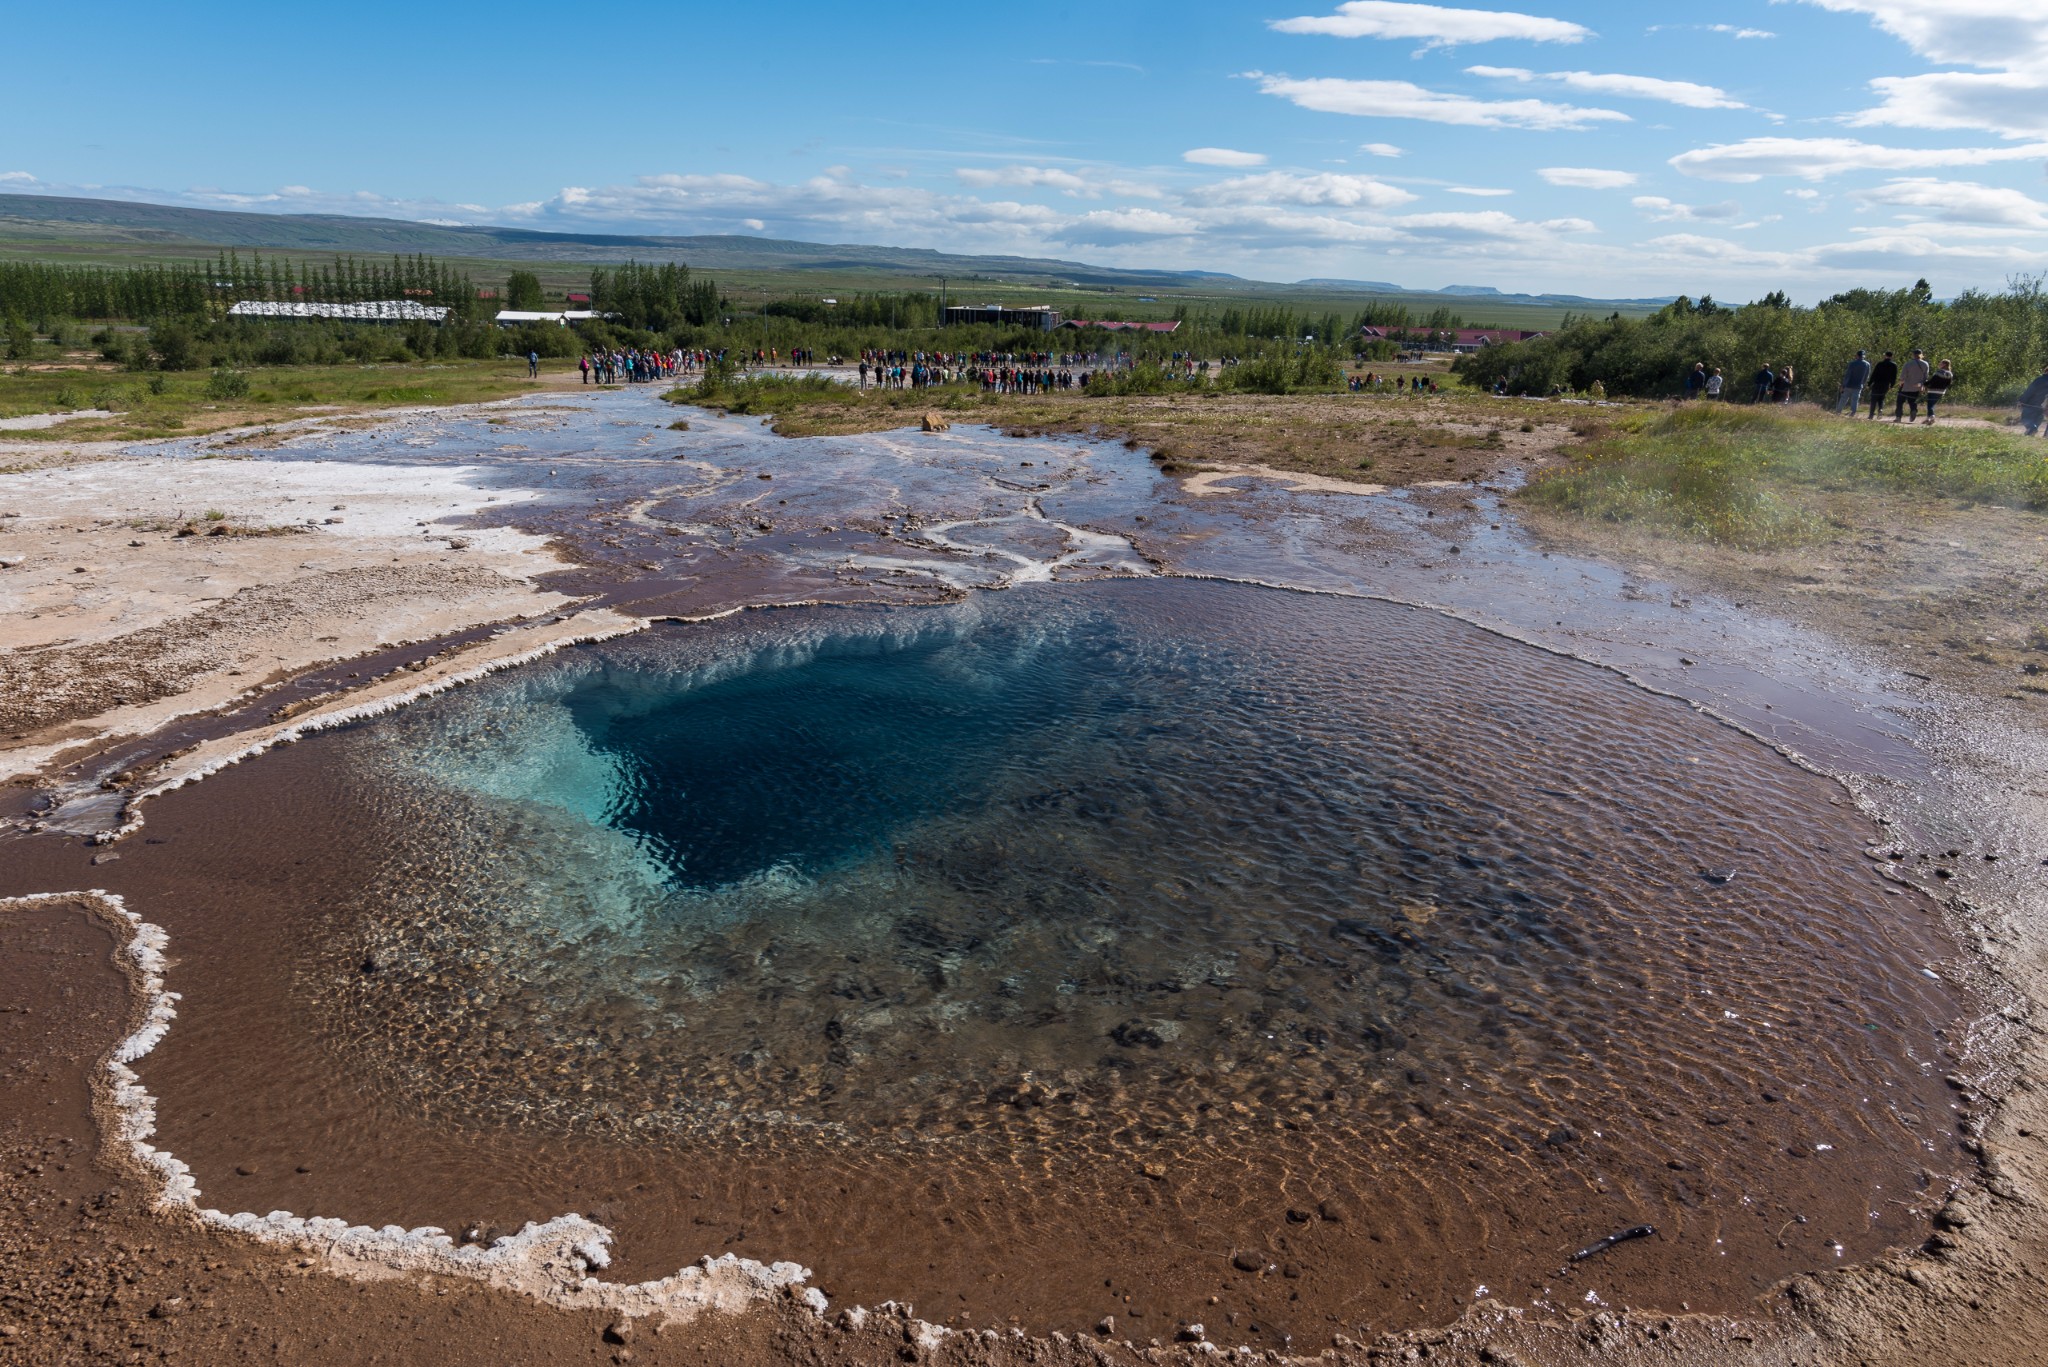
(35,219)
(174,226)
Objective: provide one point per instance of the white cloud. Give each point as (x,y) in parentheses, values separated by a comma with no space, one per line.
(1960,202)
(1382,149)
(1477,191)
(1690,247)
(1908,251)
(1286,187)
(1435,25)
(1405,100)
(1223,156)
(1686,93)
(1661,210)
(1024,177)
(1730,30)
(1107,226)
(1079,186)
(1588,177)
(1819,158)
(2003,35)
(2009,103)
(1491,225)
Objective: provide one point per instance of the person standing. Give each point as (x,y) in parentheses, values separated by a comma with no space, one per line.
(1937,387)
(1853,380)
(583,364)
(1765,378)
(1695,380)
(1912,386)
(1781,388)
(1714,384)
(2033,401)
(533,365)
(1883,376)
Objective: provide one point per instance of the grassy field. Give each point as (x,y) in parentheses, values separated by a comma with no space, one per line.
(1761,478)
(189,403)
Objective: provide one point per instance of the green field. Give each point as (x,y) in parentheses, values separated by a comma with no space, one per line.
(158,405)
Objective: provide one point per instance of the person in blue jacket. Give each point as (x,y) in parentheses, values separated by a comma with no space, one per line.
(1853,380)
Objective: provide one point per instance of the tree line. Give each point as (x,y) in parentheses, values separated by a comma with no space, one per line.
(46,293)
(1997,341)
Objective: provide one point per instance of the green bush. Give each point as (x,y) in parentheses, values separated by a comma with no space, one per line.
(227,384)
(1309,371)
(173,346)
(1997,342)
(1144,378)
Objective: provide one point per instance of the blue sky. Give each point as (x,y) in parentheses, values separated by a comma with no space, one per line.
(1590,146)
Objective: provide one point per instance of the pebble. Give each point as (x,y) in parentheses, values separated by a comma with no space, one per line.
(1249,1260)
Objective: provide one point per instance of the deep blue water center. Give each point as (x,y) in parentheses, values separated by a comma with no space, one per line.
(813,767)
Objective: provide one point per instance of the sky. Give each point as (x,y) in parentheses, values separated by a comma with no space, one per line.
(1606,148)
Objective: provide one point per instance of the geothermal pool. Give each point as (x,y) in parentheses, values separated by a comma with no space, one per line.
(1165,949)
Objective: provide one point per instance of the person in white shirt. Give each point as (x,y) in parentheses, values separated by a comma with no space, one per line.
(1714,384)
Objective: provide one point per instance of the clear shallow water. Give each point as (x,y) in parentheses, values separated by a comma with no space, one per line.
(1096,868)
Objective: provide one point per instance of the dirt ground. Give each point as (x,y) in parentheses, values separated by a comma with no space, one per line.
(99,634)
(135,590)
(1365,438)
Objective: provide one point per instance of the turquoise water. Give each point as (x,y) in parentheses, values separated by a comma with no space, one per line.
(1087,865)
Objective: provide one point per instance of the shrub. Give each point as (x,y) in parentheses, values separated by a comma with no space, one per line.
(227,384)
(173,346)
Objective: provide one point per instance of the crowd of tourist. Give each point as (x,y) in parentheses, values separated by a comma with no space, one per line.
(1915,389)
(1373,383)
(1917,381)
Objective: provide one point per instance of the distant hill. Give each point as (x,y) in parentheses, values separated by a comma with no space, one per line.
(40,217)
(31,221)
(1362,286)
(1493,296)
